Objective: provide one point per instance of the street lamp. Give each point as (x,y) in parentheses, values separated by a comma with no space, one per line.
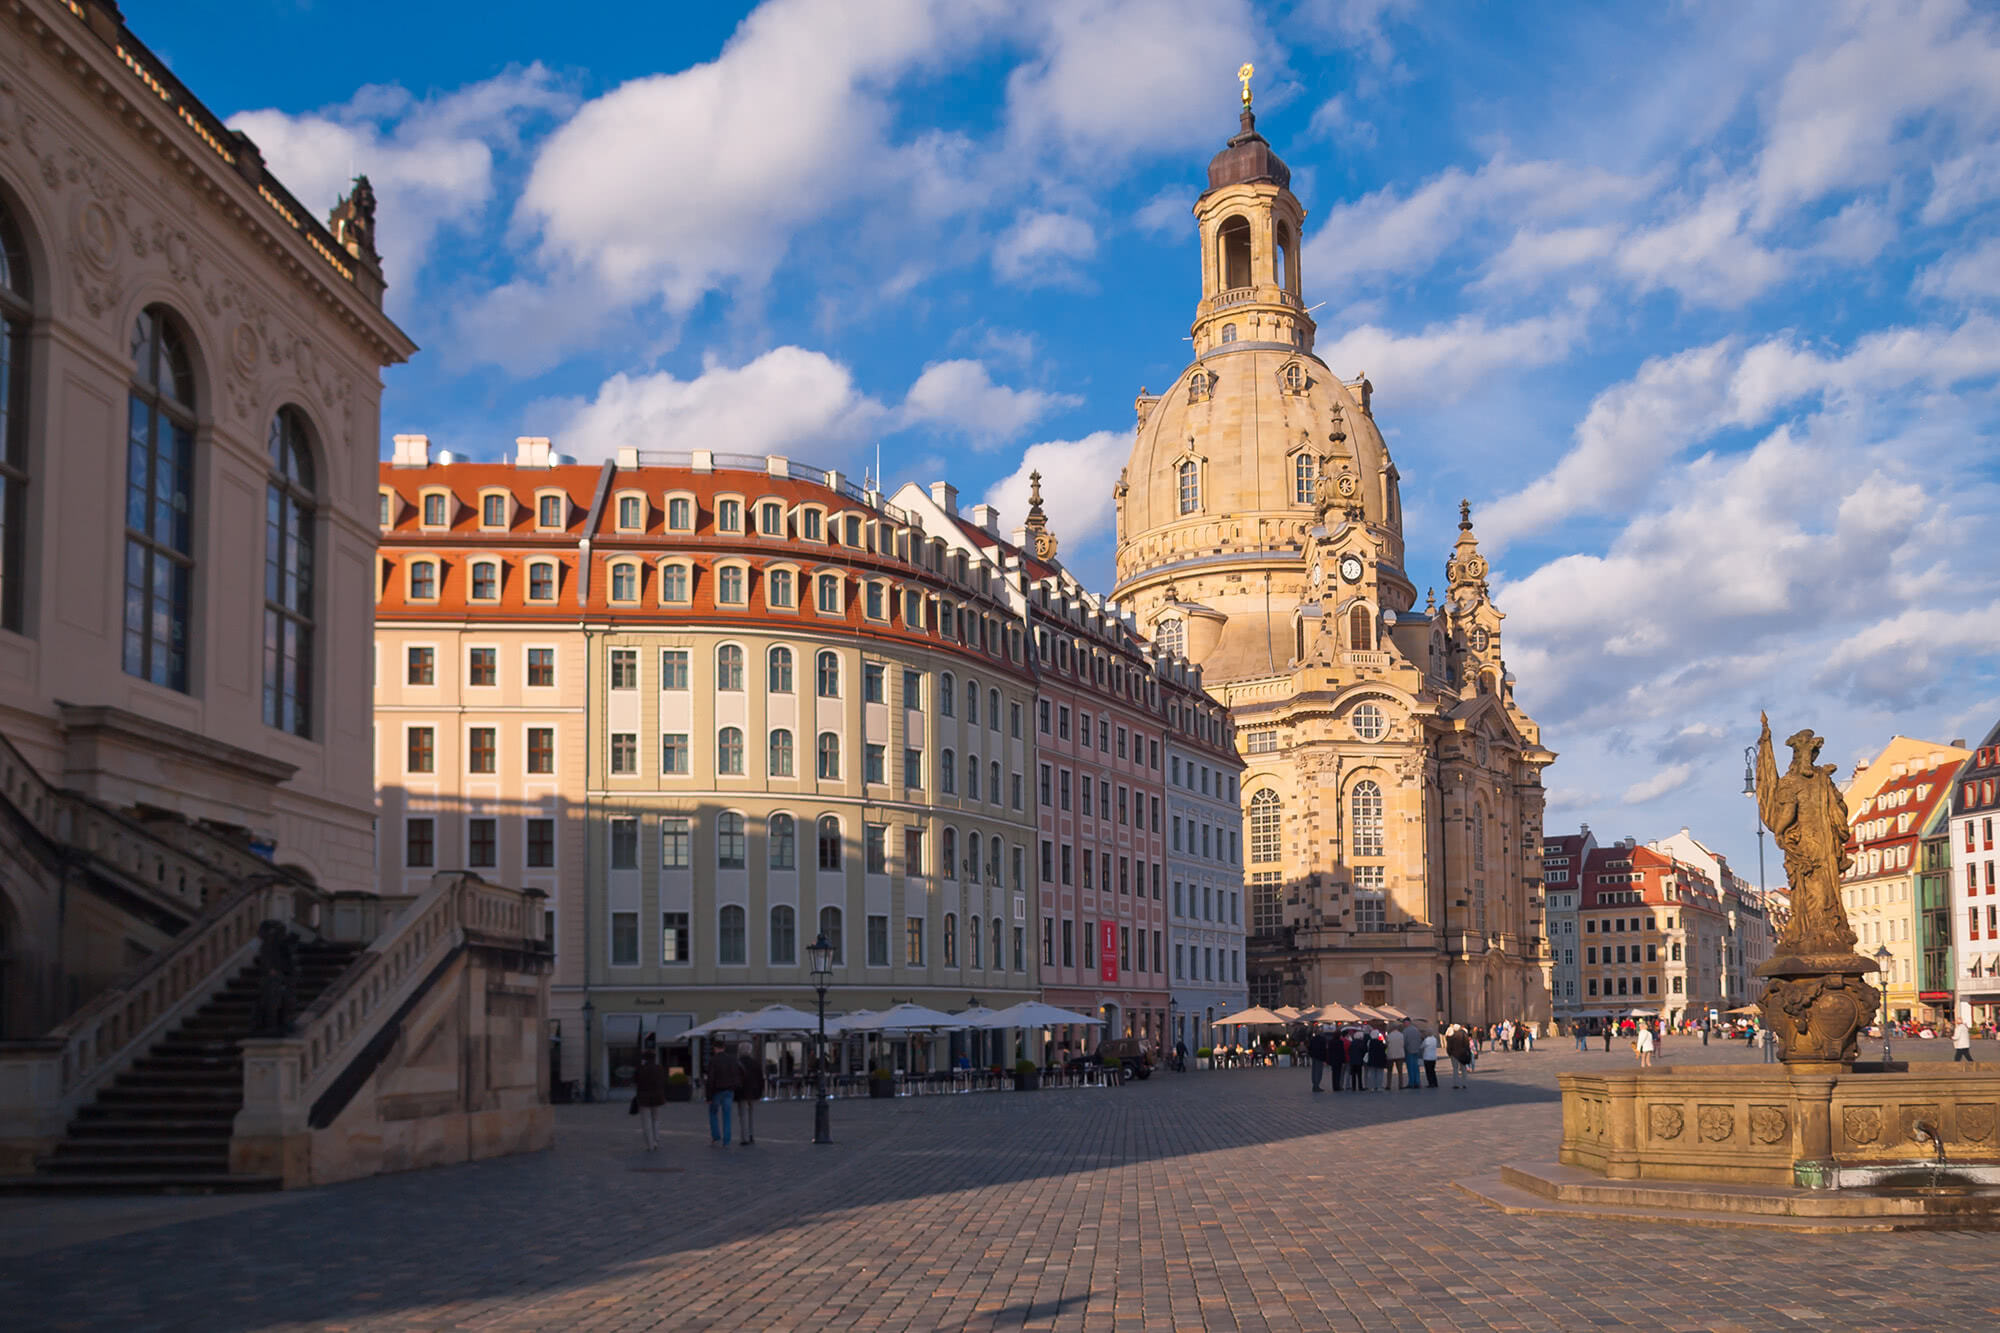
(1882,960)
(821,953)
(1750,790)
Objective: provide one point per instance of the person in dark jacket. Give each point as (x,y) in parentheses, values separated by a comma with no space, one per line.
(1458,1045)
(725,1073)
(1357,1059)
(649,1094)
(748,1093)
(1316,1052)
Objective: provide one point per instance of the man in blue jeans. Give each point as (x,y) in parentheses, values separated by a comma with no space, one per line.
(725,1071)
(1413,1052)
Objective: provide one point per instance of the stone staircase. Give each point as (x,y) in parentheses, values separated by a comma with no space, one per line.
(164,1123)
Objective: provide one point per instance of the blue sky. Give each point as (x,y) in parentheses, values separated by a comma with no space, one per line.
(1696,302)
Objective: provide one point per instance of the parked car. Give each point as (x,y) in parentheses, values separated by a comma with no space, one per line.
(1135,1055)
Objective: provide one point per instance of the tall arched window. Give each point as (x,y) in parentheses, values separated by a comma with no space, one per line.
(1364,807)
(781,671)
(992,710)
(1479,837)
(1264,821)
(999,955)
(729,841)
(972,858)
(1232,253)
(784,937)
(1305,474)
(731,948)
(829,755)
(1187,484)
(16,315)
(829,926)
(729,752)
(1361,630)
(1282,271)
(781,753)
(780,833)
(972,703)
(826,670)
(159,502)
(288,577)
(947,695)
(1171,636)
(729,667)
(972,942)
(829,843)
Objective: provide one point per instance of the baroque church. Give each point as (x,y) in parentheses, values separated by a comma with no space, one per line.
(1392,799)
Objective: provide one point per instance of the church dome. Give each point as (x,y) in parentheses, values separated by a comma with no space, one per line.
(1246,159)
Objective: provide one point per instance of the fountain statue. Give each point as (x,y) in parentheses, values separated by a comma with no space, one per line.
(1817,1001)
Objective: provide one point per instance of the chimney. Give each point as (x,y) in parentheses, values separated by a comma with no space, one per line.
(945,496)
(1958,742)
(412,451)
(987,517)
(531,451)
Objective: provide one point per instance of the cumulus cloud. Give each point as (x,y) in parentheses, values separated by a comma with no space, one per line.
(1534,254)
(1706,253)
(1671,778)
(788,401)
(1075,494)
(431,159)
(1966,275)
(961,396)
(1445,361)
(1335,120)
(1042,248)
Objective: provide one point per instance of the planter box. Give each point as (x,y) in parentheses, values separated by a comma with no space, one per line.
(1201,1063)
(881,1087)
(680,1092)
(1031,1082)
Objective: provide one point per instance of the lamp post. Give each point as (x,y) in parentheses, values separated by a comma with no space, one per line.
(1750,790)
(1882,960)
(821,953)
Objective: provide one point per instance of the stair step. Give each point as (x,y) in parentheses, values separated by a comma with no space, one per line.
(162,1149)
(141,1126)
(139,1182)
(180,1076)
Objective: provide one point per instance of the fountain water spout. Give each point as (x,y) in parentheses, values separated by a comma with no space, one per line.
(1926,1132)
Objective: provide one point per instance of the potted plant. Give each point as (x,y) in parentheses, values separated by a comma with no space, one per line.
(1027,1075)
(881,1082)
(1114,1068)
(1204,1057)
(1284,1053)
(680,1088)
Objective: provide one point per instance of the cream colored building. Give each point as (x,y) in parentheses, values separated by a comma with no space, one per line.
(187,351)
(1392,797)
(1886,830)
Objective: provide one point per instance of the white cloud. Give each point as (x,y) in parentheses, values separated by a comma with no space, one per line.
(1358,24)
(1335,121)
(788,401)
(1671,778)
(1856,234)
(1533,255)
(1963,184)
(960,396)
(1447,360)
(1966,275)
(430,160)
(1705,254)
(1172,209)
(1041,248)
(1075,494)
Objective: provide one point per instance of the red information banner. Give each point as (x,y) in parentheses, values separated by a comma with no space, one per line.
(1107,951)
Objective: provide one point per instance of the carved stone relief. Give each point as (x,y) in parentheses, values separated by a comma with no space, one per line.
(1861,1124)
(1667,1122)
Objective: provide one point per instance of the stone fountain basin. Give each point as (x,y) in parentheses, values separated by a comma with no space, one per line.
(1913,1178)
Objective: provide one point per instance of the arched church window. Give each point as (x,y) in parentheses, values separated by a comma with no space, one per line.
(1229,333)
(1282,270)
(1171,637)
(1479,837)
(1374,988)
(1200,384)
(1305,475)
(1188,484)
(1232,246)
(1365,814)
(1361,630)
(288,577)
(159,503)
(1264,821)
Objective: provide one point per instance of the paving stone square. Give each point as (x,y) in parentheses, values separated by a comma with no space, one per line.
(1214,1200)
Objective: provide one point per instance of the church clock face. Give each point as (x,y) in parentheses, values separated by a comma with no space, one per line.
(1350,568)
(1479,640)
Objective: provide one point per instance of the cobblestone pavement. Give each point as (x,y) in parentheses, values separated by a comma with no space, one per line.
(1227,1200)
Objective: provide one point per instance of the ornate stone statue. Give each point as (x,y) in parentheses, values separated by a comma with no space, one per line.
(1817,1001)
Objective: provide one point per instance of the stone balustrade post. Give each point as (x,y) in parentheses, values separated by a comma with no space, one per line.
(32,1117)
(270,1136)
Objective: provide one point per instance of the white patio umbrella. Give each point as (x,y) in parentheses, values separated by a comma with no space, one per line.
(1333,1013)
(845,1023)
(1035,1014)
(1391,1010)
(728,1024)
(979,1018)
(1256,1016)
(1288,1013)
(1369,1013)
(904,1017)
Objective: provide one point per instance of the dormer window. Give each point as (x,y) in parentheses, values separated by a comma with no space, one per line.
(434,509)
(876,606)
(809,525)
(625,582)
(493,507)
(827,591)
(485,581)
(1187,485)
(729,515)
(1305,476)
(780,590)
(771,519)
(423,581)
(729,585)
(1229,333)
(552,512)
(387,516)
(1200,385)
(1293,376)
(674,583)
(680,514)
(631,513)
(542,581)
(854,531)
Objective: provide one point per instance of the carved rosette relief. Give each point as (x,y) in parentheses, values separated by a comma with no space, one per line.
(1976,1122)
(1716,1123)
(1861,1124)
(1769,1124)
(1666,1122)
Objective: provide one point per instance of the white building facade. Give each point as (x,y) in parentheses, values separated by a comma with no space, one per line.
(1975,882)
(1205,868)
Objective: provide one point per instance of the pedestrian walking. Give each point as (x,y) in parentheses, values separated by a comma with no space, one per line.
(649,1094)
(1961,1042)
(1458,1045)
(1357,1057)
(725,1072)
(1607,1039)
(1429,1054)
(1316,1053)
(1395,1051)
(1643,1045)
(749,1092)
(1413,1052)
(1531,1038)
(1582,1038)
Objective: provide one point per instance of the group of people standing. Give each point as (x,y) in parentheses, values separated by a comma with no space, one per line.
(1376,1057)
(735,1084)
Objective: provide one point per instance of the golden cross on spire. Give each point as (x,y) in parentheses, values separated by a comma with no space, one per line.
(1243,77)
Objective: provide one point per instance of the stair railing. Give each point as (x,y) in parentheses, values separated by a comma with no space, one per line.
(43,1081)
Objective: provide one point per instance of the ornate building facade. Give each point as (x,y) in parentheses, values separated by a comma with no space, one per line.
(1392,797)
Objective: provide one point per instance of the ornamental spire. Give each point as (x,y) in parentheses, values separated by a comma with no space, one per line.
(1037,523)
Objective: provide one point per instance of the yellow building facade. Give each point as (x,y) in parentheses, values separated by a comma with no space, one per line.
(1392,797)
